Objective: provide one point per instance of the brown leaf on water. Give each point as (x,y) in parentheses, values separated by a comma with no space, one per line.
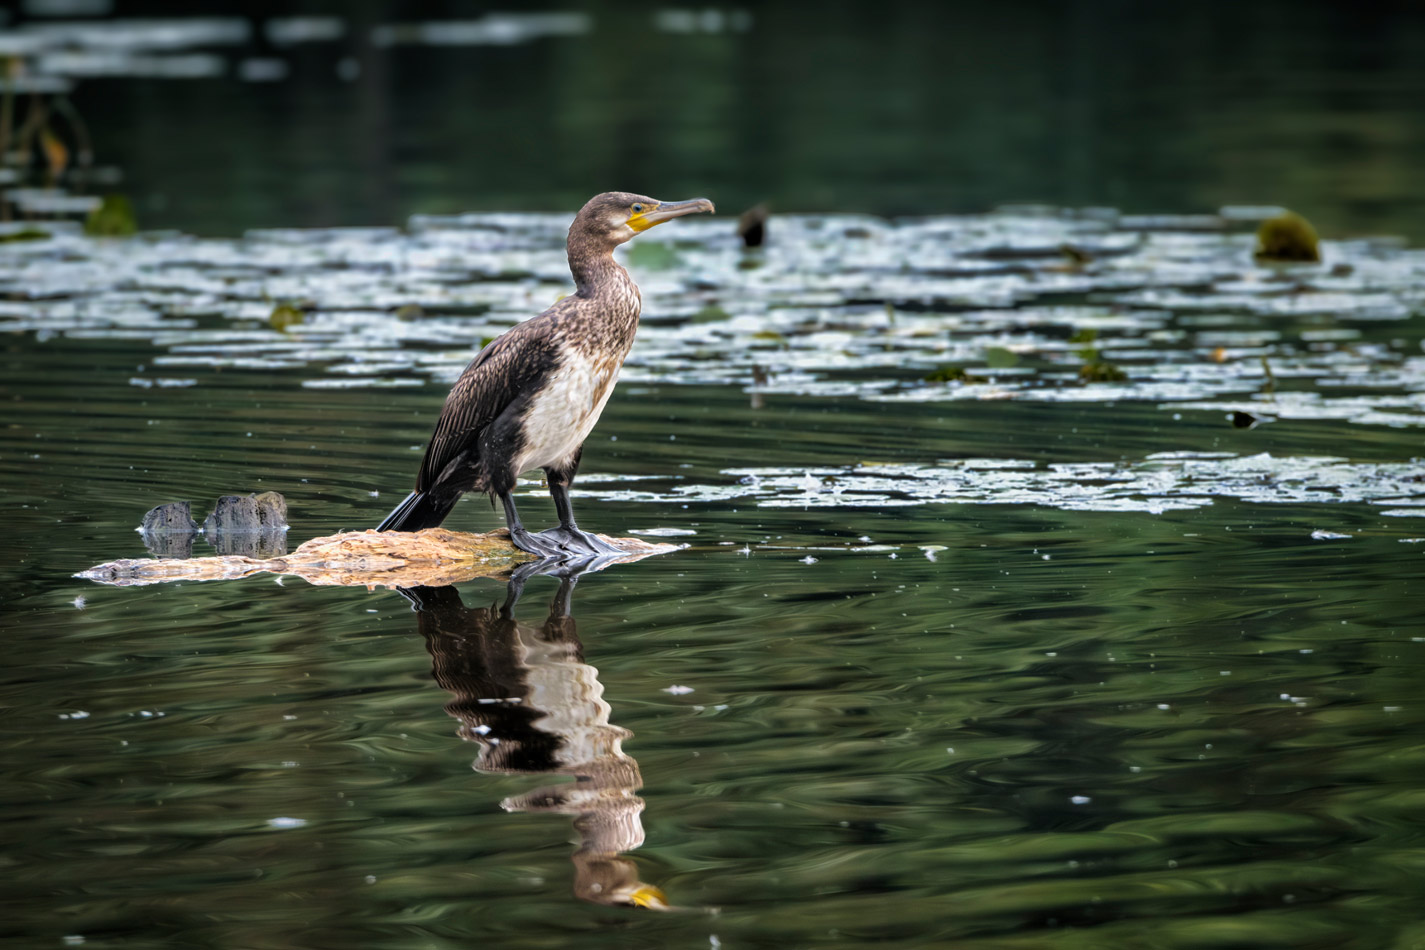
(55,151)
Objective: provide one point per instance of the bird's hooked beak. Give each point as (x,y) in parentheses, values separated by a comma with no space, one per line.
(667,211)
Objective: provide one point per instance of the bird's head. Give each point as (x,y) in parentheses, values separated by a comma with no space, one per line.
(616,216)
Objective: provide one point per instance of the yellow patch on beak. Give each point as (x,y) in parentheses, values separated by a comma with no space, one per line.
(639,221)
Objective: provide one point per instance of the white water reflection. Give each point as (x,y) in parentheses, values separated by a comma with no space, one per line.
(1012,305)
(1160,482)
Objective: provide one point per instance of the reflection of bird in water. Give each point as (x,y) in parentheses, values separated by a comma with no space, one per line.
(525,695)
(531,397)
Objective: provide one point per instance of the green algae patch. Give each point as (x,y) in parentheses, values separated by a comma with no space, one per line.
(952,374)
(24,234)
(114,217)
(1099,371)
(1288,237)
(286,315)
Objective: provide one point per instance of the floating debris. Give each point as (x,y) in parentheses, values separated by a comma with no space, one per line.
(1243,420)
(752,226)
(114,217)
(286,315)
(1288,237)
(432,557)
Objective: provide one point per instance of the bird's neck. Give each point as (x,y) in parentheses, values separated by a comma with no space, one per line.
(598,277)
(595,270)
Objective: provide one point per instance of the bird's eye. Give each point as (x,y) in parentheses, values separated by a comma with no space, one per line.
(637,208)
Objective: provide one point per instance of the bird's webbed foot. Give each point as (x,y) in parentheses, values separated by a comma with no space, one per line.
(540,545)
(573,542)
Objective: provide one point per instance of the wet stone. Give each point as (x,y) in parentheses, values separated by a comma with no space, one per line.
(168,530)
(175,516)
(235,513)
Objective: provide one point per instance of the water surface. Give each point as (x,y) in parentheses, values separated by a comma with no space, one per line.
(1012,660)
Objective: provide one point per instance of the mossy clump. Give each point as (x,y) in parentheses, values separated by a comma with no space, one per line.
(113,218)
(285,315)
(952,374)
(1087,337)
(1101,372)
(710,314)
(24,234)
(771,336)
(1095,369)
(1288,237)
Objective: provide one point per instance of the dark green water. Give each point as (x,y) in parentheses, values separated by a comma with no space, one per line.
(880,108)
(1011,661)
(1196,728)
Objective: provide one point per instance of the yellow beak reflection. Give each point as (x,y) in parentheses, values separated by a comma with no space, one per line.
(650,897)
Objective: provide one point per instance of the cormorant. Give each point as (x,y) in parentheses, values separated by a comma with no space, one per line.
(531,396)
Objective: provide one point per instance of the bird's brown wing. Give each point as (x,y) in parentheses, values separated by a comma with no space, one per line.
(509,368)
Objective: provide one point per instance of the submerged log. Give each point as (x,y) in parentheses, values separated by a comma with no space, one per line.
(432,557)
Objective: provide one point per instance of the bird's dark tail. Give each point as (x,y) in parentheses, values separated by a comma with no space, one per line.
(419,510)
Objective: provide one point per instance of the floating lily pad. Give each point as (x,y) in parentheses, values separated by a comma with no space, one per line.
(1171,312)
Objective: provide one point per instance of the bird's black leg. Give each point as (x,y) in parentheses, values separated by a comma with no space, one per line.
(559,607)
(568,535)
(532,543)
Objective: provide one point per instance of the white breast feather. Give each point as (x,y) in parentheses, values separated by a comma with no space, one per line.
(564,412)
